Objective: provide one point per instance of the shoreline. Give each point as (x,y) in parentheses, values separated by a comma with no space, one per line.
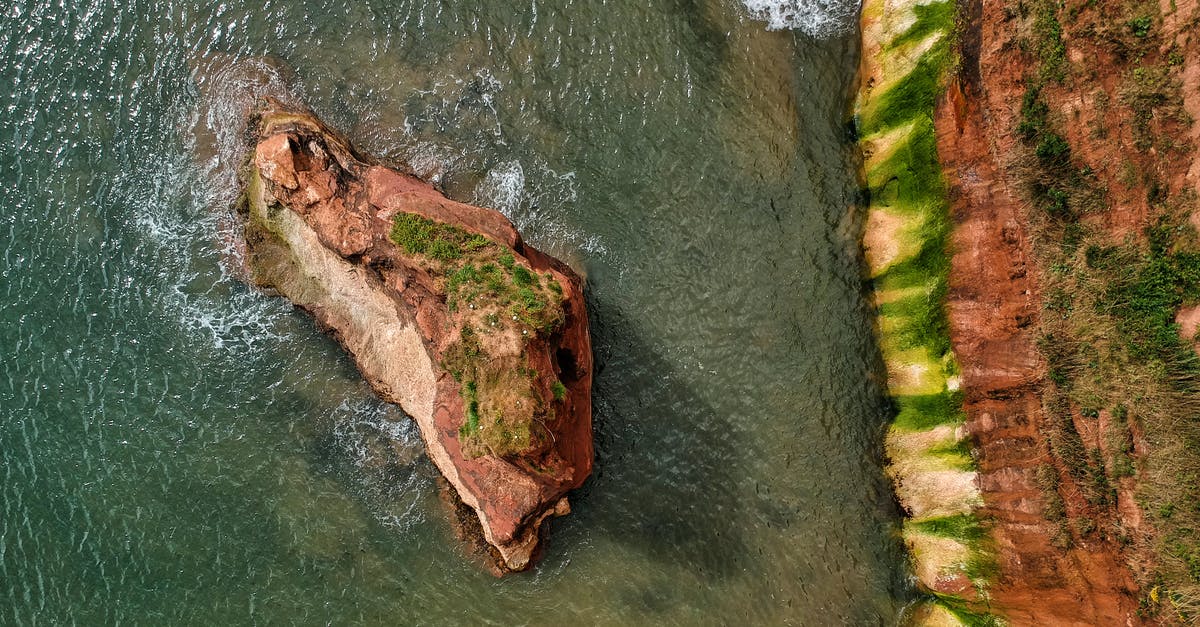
(1030,232)
(908,51)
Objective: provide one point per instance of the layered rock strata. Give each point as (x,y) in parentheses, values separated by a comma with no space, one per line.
(1008,147)
(907,52)
(479,337)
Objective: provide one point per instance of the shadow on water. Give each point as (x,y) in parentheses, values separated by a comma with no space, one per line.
(704,38)
(662,451)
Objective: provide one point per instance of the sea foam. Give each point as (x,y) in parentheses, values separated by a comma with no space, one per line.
(818,18)
(504,188)
(385,450)
(534,202)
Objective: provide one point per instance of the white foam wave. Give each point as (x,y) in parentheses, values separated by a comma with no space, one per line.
(819,18)
(430,161)
(533,204)
(198,291)
(383,447)
(201,293)
(229,89)
(371,431)
(503,188)
(239,320)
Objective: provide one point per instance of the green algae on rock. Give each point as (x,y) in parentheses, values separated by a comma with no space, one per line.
(907,53)
(445,311)
(499,301)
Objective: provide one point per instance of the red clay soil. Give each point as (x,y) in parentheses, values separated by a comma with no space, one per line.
(349,202)
(993,308)
(1182,29)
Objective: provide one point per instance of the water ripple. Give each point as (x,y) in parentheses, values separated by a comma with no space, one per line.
(181,449)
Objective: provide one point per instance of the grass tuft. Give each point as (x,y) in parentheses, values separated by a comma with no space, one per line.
(559,390)
(489,293)
(1109,334)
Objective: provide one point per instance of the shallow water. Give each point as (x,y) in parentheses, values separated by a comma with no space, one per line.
(179,449)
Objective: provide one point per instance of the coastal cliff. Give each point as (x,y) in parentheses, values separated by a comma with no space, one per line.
(908,49)
(480,338)
(1060,138)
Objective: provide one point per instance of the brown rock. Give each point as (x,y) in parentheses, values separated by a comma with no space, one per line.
(318,219)
(993,307)
(273,158)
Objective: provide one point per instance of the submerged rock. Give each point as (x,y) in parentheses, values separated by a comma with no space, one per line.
(479,337)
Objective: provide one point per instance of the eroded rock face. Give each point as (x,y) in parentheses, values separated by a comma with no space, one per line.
(482,339)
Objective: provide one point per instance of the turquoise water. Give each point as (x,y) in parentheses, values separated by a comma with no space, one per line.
(179,449)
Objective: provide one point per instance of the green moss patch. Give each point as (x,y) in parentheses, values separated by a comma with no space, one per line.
(916,95)
(904,177)
(919,413)
(497,302)
(418,235)
(910,178)
(965,528)
(931,18)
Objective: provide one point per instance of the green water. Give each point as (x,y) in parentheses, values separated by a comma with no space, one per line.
(179,449)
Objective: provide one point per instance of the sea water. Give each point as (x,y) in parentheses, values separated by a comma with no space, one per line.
(178,448)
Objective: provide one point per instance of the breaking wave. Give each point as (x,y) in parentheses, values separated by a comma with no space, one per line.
(818,18)
(532,204)
(384,450)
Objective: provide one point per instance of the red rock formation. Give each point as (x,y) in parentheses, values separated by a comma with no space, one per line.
(319,216)
(993,306)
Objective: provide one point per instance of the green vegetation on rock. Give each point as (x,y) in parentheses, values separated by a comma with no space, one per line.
(498,304)
(1113,348)
(909,218)
(421,236)
(559,390)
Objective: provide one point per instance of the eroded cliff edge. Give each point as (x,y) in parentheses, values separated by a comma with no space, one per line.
(1033,180)
(908,48)
(480,338)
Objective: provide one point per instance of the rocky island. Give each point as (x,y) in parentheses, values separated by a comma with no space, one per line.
(479,337)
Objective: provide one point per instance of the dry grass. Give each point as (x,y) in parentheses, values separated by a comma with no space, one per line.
(1122,398)
(498,305)
(1111,345)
